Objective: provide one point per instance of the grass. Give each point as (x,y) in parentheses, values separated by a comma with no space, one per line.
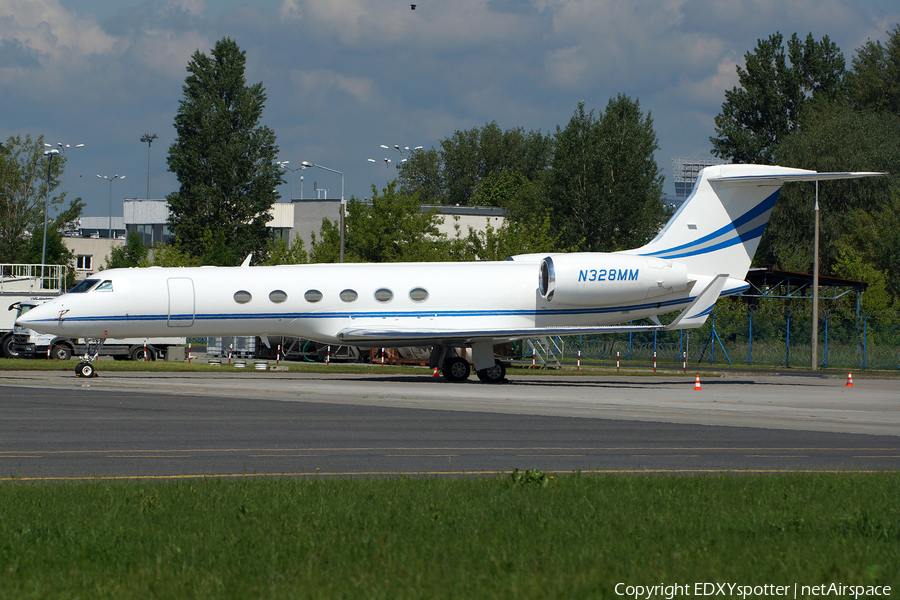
(527,536)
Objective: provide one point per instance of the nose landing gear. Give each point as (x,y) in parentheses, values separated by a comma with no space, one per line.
(86,367)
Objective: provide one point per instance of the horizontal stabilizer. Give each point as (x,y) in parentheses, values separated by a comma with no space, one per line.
(695,315)
(791,175)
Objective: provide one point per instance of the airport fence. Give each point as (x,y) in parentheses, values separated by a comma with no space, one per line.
(763,337)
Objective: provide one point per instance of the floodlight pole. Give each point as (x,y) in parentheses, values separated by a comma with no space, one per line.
(815,291)
(110,179)
(343,202)
(283,164)
(63,148)
(49,154)
(147,137)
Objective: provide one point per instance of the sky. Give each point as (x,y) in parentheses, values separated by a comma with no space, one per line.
(343,77)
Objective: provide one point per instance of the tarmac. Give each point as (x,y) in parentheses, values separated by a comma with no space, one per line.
(238,424)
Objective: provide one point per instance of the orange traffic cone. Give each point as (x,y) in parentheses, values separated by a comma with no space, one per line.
(435,374)
(697,387)
(849,380)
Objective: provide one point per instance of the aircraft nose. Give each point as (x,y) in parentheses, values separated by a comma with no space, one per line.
(40,318)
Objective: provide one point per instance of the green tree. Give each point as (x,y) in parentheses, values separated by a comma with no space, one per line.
(834,138)
(873,81)
(887,242)
(23,187)
(327,248)
(512,238)
(171,255)
(423,174)
(454,174)
(604,187)
(773,93)
(224,160)
(132,254)
(57,253)
(282,254)
(392,227)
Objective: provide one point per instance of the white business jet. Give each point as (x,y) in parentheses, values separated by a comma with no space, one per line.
(702,253)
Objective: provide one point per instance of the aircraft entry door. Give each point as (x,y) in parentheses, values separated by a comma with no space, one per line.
(181,302)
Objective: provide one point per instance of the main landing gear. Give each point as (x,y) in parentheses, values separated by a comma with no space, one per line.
(456,369)
(495,374)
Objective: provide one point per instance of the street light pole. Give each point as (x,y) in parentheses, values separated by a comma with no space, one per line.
(63,149)
(401,161)
(147,137)
(282,165)
(49,154)
(110,179)
(815,290)
(343,202)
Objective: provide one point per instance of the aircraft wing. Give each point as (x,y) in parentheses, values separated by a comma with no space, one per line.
(692,317)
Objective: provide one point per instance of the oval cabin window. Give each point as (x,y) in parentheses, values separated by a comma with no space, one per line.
(313,296)
(277,296)
(242,297)
(349,296)
(418,294)
(384,295)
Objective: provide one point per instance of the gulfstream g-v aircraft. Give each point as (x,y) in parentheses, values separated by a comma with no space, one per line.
(702,253)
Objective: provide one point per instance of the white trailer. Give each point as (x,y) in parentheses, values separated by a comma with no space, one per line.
(25,283)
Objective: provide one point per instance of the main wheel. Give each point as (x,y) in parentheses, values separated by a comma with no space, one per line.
(7,349)
(60,352)
(84,369)
(456,369)
(494,374)
(139,352)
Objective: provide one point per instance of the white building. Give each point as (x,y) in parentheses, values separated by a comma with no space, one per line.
(91,241)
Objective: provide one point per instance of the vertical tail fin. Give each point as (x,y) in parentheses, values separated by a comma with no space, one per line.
(718,228)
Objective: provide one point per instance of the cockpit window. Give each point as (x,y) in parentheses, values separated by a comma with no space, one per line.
(84,286)
(21,309)
(106,286)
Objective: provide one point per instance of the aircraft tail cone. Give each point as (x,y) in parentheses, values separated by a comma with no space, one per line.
(697,387)
(435,374)
(849,380)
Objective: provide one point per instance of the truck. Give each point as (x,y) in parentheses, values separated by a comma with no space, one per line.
(28,343)
(28,283)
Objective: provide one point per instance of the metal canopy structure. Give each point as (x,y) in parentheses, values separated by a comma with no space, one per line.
(772,283)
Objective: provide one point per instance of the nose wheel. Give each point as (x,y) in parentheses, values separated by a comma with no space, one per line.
(85,369)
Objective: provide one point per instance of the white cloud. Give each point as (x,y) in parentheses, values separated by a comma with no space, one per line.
(167,52)
(51,30)
(461,25)
(290,10)
(317,86)
(708,91)
(192,7)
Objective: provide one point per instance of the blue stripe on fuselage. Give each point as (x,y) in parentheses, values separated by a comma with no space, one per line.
(397,314)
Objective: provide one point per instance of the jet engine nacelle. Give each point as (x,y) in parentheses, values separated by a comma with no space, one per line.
(604,279)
